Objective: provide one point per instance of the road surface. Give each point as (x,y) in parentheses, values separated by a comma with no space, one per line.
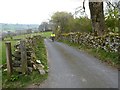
(72,68)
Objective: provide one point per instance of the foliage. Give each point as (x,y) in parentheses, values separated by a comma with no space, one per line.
(61,19)
(66,23)
(18,81)
(82,24)
(43,26)
(112,19)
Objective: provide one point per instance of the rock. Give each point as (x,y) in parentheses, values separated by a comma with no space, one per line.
(17,59)
(17,51)
(42,65)
(29,53)
(33,56)
(18,69)
(29,49)
(28,58)
(38,61)
(39,68)
(5,70)
(17,55)
(16,63)
(18,42)
(41,71)
(30,69)
(29,63)
(17,45)
(34,66)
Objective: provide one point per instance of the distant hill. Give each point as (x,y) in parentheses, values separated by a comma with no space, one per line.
(14,27)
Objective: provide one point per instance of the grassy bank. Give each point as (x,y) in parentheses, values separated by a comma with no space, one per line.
(110,58)
(41,54)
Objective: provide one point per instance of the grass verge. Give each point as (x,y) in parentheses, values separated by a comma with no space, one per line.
(19,81)
(41,54)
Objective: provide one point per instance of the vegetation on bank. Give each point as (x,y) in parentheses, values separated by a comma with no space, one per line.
(18,81)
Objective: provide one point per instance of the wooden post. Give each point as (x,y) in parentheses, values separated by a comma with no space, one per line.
(23,56)
(9,58)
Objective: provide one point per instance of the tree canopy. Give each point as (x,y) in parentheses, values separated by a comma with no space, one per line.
(65,22)
(99,23)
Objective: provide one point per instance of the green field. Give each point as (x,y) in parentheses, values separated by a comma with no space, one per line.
(47,34)
(3,50)
(0,52)
(13,42)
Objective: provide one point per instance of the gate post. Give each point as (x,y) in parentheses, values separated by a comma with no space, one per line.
(23,56)
(9,58)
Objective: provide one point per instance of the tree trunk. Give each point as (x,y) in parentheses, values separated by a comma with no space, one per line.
(97,16)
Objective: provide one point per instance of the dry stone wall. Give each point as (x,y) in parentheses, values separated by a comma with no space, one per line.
(24,59)
(109,42)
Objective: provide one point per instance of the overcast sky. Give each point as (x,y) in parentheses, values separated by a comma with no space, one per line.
(34,11)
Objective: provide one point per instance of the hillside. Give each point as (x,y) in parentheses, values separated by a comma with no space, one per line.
(13,27)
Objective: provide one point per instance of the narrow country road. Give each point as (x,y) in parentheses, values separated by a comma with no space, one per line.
(72,68)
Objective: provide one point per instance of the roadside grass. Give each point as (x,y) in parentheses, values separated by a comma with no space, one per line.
(41,56)
(111,58)
(16,80)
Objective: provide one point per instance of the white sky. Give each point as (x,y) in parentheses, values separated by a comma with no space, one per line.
(34,11)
